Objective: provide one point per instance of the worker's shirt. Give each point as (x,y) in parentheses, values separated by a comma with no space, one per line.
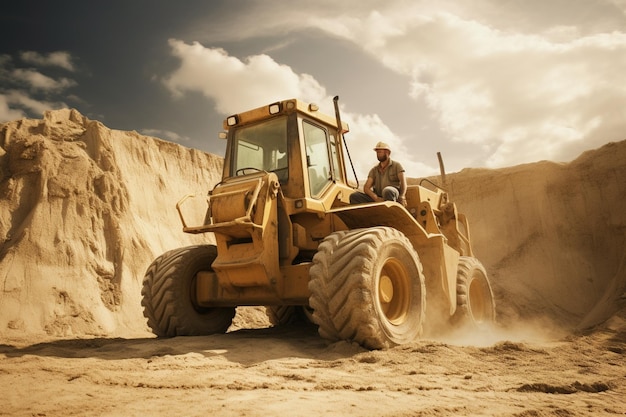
(384,177)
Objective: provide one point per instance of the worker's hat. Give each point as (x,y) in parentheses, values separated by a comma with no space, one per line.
(382,145)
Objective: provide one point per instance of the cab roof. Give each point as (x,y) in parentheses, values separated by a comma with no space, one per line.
(282,107)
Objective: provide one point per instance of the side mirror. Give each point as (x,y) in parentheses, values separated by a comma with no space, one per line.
(222,135)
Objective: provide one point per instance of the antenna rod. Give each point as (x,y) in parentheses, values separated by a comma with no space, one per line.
(340,136)
(441,169)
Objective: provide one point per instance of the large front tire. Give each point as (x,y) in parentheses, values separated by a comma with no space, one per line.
(367,286)
(475,302)
(169,295)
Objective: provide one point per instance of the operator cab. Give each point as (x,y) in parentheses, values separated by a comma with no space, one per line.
(269,139)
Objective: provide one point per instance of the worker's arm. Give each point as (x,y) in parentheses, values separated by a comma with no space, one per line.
(367,189)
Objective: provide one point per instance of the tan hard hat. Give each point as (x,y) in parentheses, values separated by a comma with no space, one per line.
(382,145)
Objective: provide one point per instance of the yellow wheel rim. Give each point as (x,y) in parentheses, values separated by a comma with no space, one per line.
(394,291)
(478,301)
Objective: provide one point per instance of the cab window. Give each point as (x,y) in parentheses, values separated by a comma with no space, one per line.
(262,147)
(317,158)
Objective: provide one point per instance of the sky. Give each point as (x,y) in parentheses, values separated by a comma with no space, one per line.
(487,83)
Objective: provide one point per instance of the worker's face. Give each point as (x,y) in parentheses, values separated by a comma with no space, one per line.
(382,155)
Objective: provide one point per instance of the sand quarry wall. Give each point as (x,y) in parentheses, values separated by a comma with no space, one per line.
(551,235)
(84,210)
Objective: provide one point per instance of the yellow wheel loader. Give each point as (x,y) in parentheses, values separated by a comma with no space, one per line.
(288,238)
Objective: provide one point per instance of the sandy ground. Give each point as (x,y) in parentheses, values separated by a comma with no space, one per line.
(85,209)
(291,371)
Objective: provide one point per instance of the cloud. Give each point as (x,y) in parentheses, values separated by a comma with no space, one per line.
(19,99)
(39,81)
(512,82)
(6,113)
(521,96)
(519,81)
(365,132)
(59,59)
(234,84)
(28,91)
(166,134)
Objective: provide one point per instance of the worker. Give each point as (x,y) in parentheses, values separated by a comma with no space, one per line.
(385,182)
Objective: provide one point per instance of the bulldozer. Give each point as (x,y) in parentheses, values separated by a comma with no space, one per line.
(287,238)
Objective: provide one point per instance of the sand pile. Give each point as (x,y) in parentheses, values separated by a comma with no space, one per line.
(85,210)
(551,235)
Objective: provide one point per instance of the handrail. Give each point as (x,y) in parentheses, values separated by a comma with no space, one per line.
(435,185)
(244,219)
(179,205)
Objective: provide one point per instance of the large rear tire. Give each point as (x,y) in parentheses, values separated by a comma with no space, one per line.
(475,302)
(169,295)
(367,286)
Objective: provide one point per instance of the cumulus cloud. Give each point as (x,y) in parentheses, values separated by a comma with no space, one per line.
(39,81)
(521,96)
(21,100)
(59,59)
(235,84)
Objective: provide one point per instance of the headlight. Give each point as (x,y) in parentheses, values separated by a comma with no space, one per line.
(232,120)
(275,108)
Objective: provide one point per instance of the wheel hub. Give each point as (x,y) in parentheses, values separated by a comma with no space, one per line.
(394,285)
(385,289)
